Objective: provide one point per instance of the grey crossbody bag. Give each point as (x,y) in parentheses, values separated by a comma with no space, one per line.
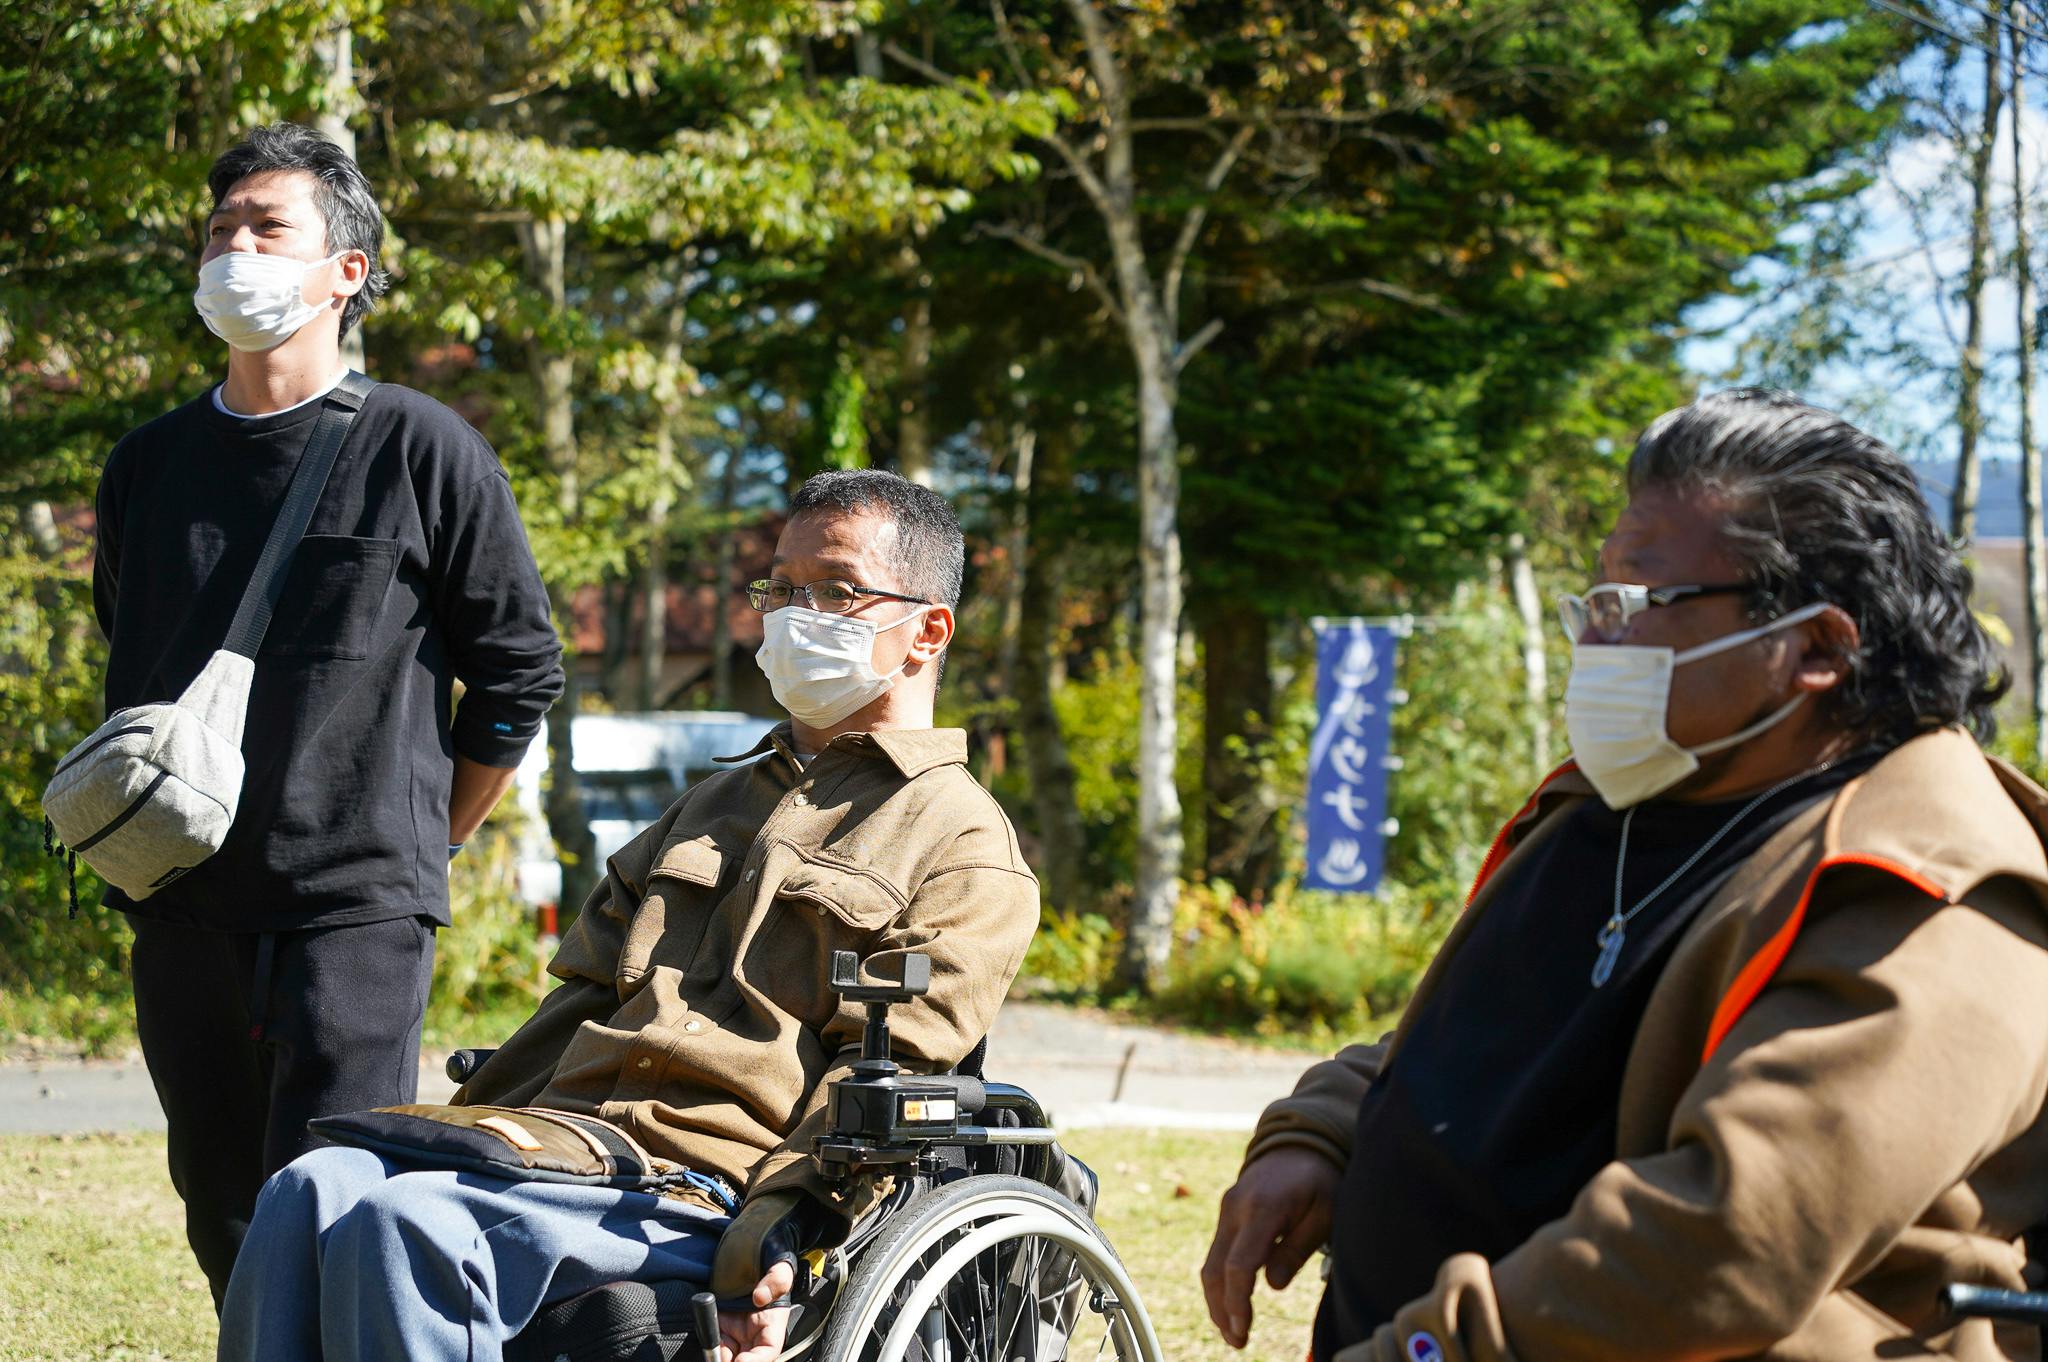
(153,791)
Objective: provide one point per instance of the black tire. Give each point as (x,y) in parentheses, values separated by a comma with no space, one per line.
(1043,1277)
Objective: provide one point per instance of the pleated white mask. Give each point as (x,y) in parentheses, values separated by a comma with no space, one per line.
(822,667)
(255,301)
(1615,706)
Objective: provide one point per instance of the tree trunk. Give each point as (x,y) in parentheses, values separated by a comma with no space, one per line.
(867,54)
(617,600)
(1535,665)
(544,243)
(1062,841)
(722,588)
(914,435)
(1237,707)
(653,649)
(2036,564)
(1023,441)
(1969,416)
(653,593)
(334,56)
(66,629)
(1150,939)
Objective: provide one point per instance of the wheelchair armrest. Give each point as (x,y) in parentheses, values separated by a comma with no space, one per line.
(463,1064)
(970,1092)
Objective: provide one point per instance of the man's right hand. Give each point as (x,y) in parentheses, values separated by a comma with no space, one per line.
(1276,1215)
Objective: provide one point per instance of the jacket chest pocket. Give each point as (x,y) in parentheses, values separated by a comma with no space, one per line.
(838,897)
(333,594)
(684,882)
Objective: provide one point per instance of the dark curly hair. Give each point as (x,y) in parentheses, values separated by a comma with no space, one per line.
(1821,511)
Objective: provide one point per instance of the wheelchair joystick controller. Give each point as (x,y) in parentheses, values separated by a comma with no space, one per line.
(880,1116)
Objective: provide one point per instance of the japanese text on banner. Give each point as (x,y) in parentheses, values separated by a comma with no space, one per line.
(1347,765)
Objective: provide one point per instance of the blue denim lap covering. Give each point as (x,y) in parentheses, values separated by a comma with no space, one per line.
(351,1257)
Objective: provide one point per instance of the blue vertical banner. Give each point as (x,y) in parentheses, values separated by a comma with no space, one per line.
(1348,759)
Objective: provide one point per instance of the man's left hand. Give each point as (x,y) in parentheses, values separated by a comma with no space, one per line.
(756,1335)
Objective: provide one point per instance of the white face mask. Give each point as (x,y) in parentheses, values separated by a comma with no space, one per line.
(254,301)
(1614,708)
(822,667)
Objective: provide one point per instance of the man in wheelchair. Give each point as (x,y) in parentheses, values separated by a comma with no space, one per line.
(693,1017)
(1740,1046)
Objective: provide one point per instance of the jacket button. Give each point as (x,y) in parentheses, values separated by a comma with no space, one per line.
(644,1063)
(749,875)
(693,1026)
(797,798)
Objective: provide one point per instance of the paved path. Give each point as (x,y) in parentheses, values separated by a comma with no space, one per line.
(1087,1069)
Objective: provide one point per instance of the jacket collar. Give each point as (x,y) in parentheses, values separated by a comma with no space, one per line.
(913,751)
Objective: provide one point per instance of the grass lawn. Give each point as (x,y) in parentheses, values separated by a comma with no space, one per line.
(94,1268)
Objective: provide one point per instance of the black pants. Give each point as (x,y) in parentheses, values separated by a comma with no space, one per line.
(248,1037)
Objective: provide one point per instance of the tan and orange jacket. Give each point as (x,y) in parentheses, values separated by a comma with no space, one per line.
(1833,1105)
(693,1008)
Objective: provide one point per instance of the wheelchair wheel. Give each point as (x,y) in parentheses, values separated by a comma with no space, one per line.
(989,1269)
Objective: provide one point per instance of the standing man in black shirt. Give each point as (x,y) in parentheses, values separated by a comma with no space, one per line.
(285,977)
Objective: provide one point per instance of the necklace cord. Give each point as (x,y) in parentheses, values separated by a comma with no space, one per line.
(1615,929)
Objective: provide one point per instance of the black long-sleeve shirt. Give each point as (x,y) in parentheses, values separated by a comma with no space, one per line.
(1503,1100)
(414,571)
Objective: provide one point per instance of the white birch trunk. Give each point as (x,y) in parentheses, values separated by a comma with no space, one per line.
(1535,663)
(1159,829)
(2035,555)
(544,243)
(334,54)
(1969,415)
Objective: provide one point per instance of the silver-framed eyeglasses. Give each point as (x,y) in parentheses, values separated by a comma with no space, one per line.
(1606,609)
(831,596)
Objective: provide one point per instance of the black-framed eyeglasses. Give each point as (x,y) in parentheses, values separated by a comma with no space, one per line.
(1607,608)
(831,596)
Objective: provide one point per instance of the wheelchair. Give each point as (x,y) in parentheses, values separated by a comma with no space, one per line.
(982,1250)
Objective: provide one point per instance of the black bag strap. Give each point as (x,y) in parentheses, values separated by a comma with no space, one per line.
(337,412)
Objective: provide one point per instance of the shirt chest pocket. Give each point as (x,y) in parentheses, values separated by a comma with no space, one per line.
(333,595)
(682,892)
(839,897)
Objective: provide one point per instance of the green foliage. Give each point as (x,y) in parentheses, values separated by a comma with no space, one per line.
(1074,955)
(846,434)
(2015,743)
(489,969)
(1307,966)
(1099,715)
(69,976)
(1302,964)
(1464,742)
(1294,960)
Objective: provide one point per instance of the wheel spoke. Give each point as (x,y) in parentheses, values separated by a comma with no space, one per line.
(998,1270)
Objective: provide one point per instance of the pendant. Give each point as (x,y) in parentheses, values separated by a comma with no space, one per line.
(1611,938)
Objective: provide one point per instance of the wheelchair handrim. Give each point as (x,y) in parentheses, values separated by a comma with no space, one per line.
(1042,1220)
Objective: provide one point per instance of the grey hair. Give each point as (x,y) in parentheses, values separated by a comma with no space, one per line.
(931,552)
(343,196)
(1819,510)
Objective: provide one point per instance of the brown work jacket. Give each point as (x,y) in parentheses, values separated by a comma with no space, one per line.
(693,1008)
(1833,1105)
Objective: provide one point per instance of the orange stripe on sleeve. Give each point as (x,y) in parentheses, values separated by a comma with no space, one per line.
(1754,975)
